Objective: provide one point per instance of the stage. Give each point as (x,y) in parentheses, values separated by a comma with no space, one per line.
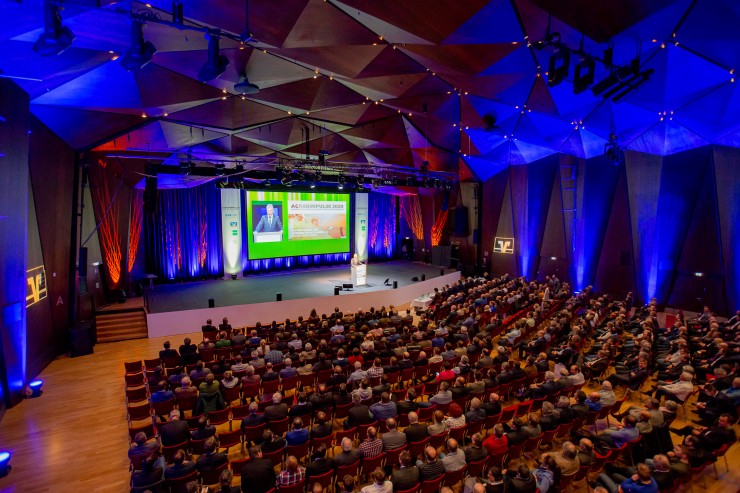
(183,308)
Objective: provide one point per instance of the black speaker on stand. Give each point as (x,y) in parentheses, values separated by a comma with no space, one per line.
(423,277)
(81,339)
(279,297)
(395,284)
(337,289)
(211,303)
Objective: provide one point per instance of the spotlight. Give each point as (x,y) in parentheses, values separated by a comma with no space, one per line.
(583,75)
(34,389)
(245,87)
(56,38)
(312,183)
(322,156)
(186,168)
(360,180)
(645,76)
(217,63)
(559,66)
(233,276)
(220,169)
(267,183)
(424,166)
(341,181)
(376,183)
(4,464)
(239,168)
(140,54)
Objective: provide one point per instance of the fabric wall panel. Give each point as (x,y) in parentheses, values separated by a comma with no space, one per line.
(727,171)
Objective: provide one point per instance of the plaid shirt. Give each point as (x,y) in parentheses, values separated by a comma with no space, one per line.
(275,357)
(288,477)
(375,372)
(371,448)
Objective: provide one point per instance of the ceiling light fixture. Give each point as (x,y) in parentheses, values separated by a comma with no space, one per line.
(583,74)
(245,87)
(559,66)
(217,63)
(56,38)
(140,54)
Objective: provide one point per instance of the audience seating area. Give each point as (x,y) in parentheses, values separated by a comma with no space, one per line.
(499,340)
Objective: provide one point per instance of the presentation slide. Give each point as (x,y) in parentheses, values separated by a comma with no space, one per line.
(289,224)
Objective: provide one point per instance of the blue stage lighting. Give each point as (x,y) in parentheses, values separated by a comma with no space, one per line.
(4,464)
(35,388)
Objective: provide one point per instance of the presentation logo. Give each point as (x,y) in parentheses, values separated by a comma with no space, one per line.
(35,285)
(503,245)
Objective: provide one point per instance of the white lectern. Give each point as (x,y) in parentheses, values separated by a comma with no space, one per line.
(359,275)
(268,237)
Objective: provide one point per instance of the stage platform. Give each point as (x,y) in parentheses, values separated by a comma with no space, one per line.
(182,308)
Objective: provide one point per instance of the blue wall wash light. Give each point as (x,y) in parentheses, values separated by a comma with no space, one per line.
(4,464)
(34,389)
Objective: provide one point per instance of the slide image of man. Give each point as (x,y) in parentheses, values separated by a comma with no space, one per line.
(269,223)
(317,226)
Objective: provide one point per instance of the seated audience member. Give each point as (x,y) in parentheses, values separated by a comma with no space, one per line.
(476,412)
(151,472)
(547,474)
(292,474)
(298,435)
(407,474)
(431,467)
(456,418)
(272,442)
(438,423)
(162,394)
(174,431)
(567,459)
(392,439)
(278,410)
(475,451)
(142,446)
(372,446)
(259,471)
(349,454)
(229,381)
(211,459)
(322,427)
(384,409)
(520,481)
(379,484)
(641,482)
(253,419)
(497,442)
(224,481)
(321,464)
(204,430)
(455,457)
(167,352)
(180,466)
(358,414)
(585,452)
(209,386)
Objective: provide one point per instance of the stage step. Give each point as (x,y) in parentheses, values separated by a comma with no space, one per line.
(121,325)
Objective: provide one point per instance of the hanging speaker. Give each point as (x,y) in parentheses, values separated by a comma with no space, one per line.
(461,226)
(445,200)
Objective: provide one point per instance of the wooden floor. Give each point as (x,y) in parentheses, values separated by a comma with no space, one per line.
(74,437)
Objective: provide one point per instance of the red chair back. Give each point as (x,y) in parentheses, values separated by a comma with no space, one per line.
(136,394)
(298,451)
(531,444)
(179,485)
(453,477)
(219,417)
(148,429)
(230,394)
(293,488)
(369,464)
(416,449)
(476,468)
(239,412)
(133,366)
(276,456)
(324,480)
(163,408)
(279,427)
(136,413)
(230,439)
(169,451)
(432,485)
(212,477)
(391,456)
(134,379)
(425,413)
(341,434)
(438,440)
(289,383)
(458,433)
(270,387)
(507,413)
(253,433)
(237,465)
(350,469)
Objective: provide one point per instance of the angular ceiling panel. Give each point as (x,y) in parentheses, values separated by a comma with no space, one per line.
(383,82)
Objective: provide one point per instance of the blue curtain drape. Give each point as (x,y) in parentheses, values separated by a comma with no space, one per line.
(183,236)
(382,237)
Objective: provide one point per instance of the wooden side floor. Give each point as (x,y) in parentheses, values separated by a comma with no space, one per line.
(74,437)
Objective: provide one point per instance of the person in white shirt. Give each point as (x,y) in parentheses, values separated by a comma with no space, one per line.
(379,484)
(576,376)
(608,397)
(678,391)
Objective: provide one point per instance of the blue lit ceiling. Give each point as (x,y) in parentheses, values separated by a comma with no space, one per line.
(383,81)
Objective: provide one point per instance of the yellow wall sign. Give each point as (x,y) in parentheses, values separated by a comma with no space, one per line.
(503,245)
(35,285)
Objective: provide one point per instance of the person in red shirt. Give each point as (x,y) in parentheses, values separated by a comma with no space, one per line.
(497,443)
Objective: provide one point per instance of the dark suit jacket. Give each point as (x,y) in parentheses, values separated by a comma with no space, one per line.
(174,471)
(319,467)
(258,476)
(473,454)
(174,432)
(265,226)
(300,409)
(276,412)
(253,420)
(320,431)
(405,407)
(416,432)
(404,479)
(347,458)
(358,415)
(209,462)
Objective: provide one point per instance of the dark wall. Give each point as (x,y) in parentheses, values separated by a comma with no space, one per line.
(49,157)
(14,125)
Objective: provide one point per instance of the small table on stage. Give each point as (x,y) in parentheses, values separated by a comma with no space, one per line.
(422,302)
(268,237)
(151,278)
